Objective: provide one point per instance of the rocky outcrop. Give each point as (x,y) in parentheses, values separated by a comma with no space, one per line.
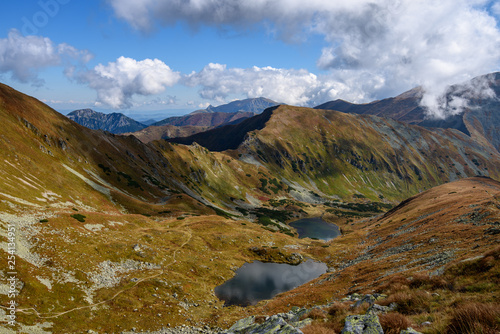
(284,323)
(362,324)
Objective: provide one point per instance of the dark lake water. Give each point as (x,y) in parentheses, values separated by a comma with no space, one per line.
(258,281)
(316,228)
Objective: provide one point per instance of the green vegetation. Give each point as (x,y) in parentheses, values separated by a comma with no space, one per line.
(131,182)
(79,217)
(105,169)
(279,215)
(221,212)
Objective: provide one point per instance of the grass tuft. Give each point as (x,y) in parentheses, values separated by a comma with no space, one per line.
(394,322)
(410,302)
(475,318)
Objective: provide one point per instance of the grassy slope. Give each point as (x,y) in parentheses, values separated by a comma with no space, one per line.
(152,133)
(343,154)
(432,231)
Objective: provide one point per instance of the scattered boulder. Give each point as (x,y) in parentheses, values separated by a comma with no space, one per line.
(365,299)
(409,330)
(379,309)
(362,324)
(283,323)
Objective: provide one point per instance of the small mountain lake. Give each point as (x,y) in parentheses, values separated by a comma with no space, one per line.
(258,281)
(316,228)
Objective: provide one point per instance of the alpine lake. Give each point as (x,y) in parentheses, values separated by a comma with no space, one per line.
(258,281)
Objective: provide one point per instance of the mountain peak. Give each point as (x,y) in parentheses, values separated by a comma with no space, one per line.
(114,122)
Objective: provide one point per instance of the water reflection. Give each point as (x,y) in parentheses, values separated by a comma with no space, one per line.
(316,228)
(258,281)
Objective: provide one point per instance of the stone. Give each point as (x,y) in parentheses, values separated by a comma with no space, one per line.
(272,324)
(409,330)
(302,324)
(378,309)
(362,324)
(365,299)
(242,324)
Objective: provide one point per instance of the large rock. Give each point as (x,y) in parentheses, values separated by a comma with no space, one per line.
(273,324)
(362,324)
(379,309)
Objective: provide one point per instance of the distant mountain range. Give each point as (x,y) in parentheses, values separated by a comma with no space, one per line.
(480,117)
(254,105)
(197,121)
(115,123)
(205,119)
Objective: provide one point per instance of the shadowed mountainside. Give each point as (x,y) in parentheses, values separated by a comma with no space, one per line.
(115,122)
(205,119)
(152,133)
(229,136)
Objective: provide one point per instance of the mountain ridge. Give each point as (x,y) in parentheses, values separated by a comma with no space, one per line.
(253,105)
(116,123)
(476,117)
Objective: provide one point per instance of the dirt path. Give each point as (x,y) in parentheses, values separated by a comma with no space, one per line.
(189,234)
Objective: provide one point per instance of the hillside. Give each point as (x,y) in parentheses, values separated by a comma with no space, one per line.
(433,254)
(136,236)
(479,118)
(405,107)
(205,119)
(152,133)
(229,136)
(114,122)
(342,155)
(254,105)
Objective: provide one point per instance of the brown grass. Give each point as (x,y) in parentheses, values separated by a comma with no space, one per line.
(318,329)
(338,309)
(410,302)
(316,314)
(260,319)
(395,284)
(425,281)
(394,322)
(475,318)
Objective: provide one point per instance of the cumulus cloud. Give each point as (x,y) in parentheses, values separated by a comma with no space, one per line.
(297,87)
(23,57)
(385,46)
(117,82)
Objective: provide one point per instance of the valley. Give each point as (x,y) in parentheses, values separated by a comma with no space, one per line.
(118,235)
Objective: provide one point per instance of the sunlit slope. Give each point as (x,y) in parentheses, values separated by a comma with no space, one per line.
(336,154)
(45,158)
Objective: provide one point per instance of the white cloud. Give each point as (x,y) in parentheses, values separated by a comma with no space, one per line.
(117,82)
(297,87)
(23,57)
(495,8)
(375,48)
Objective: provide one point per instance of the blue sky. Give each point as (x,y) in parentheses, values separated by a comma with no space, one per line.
(175,56)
